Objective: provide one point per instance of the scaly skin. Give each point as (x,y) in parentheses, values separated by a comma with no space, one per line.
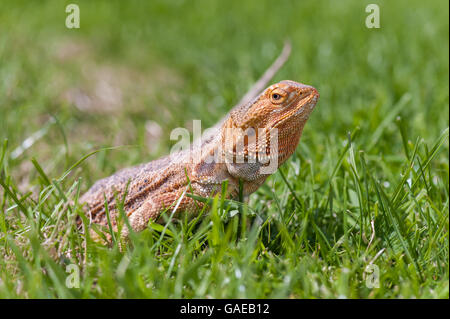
(153,187)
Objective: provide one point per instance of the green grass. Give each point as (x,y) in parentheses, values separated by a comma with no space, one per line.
(368,185)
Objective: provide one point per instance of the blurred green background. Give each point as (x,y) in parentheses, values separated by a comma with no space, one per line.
(135,70)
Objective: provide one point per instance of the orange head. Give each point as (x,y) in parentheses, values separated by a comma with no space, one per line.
(279,112)
(284,104)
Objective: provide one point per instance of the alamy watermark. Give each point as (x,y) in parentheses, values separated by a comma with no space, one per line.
(232,146)
(372,276)
(73,279)
(73,17)
(373,19)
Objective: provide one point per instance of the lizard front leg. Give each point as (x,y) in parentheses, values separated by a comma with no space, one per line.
(152,208)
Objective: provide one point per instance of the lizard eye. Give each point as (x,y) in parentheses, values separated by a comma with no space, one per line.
(277,96)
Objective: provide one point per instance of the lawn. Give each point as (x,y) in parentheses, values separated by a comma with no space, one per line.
(361,210)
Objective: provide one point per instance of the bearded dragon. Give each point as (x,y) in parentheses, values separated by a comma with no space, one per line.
(248,145)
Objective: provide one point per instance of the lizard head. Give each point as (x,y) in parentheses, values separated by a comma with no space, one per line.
(284,104)
(270,126)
